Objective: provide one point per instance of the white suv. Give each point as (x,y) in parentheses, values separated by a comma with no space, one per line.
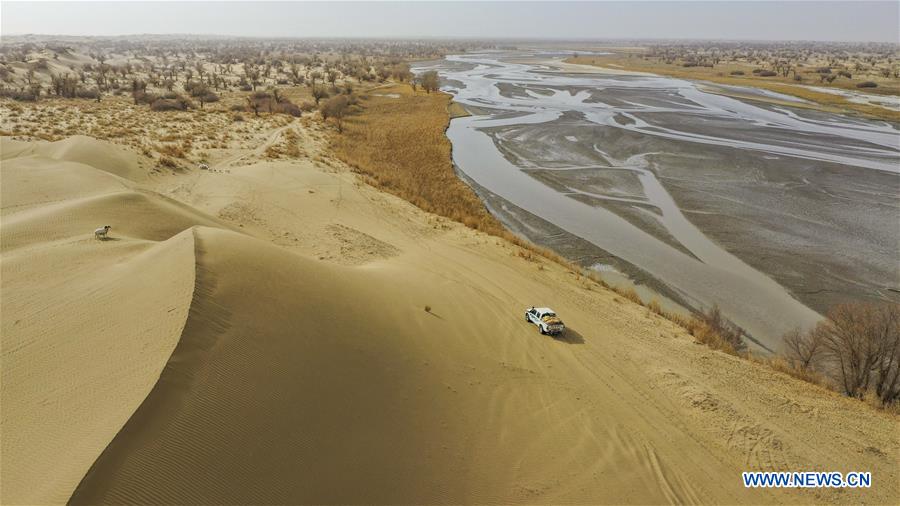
(545,319)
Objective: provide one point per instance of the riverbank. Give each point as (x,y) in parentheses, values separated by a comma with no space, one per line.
(838,99)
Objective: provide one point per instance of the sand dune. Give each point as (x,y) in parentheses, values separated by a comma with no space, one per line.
(82,149)
(295,379)
(87,325)
(281,353)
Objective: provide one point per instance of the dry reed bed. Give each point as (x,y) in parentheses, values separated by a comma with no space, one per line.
(399,145)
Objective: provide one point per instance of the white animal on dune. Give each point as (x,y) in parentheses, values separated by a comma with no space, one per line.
(101,232)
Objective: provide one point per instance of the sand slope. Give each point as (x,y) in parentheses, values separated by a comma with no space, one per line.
(82,149)
(292,383)
(87,325)
(302,367)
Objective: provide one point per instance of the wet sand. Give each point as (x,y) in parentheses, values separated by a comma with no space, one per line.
(772,213)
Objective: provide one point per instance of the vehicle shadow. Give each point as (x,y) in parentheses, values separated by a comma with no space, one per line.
(570,336)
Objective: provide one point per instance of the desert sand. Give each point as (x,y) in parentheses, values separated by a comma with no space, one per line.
(261,336)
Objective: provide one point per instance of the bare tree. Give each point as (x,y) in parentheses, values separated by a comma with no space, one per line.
(254,105)
(332,78)
(862,341)
(318,93)
(335,108)
(803,349)
(887,367)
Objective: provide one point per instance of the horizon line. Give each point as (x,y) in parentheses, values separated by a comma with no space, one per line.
(438,38)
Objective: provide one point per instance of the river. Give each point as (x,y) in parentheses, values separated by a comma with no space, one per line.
(716,197)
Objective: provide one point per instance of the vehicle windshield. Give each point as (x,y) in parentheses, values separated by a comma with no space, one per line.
(548,314)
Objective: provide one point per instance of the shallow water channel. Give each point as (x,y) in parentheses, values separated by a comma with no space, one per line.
(684,182)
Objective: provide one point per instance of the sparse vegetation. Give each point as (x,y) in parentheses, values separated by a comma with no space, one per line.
(855,350)
(168,163)
(335,109)
(776,66)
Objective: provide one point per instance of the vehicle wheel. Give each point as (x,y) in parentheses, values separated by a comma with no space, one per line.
(542,331)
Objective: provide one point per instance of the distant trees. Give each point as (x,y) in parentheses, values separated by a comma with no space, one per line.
(430,81)
(201,92)
(254,105)
(401,72)
(313,77)
(335,108)
(332,76)
(318,93)
(271,101)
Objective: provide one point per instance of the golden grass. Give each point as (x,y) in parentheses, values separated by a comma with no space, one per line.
(399,145)
(785,85)
(457,111)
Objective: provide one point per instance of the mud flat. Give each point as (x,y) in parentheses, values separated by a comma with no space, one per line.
(771,212)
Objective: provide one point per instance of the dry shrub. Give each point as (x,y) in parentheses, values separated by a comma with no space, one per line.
(168,163)
(596,278)
(90,94)
(20,95)
(629,293)
(727,331)
(290,109)
(171,150)
(272,103)
(710,328)
(706,334)
(785,366)
(171,104)
(142,97)
(527,255)
(273,151)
